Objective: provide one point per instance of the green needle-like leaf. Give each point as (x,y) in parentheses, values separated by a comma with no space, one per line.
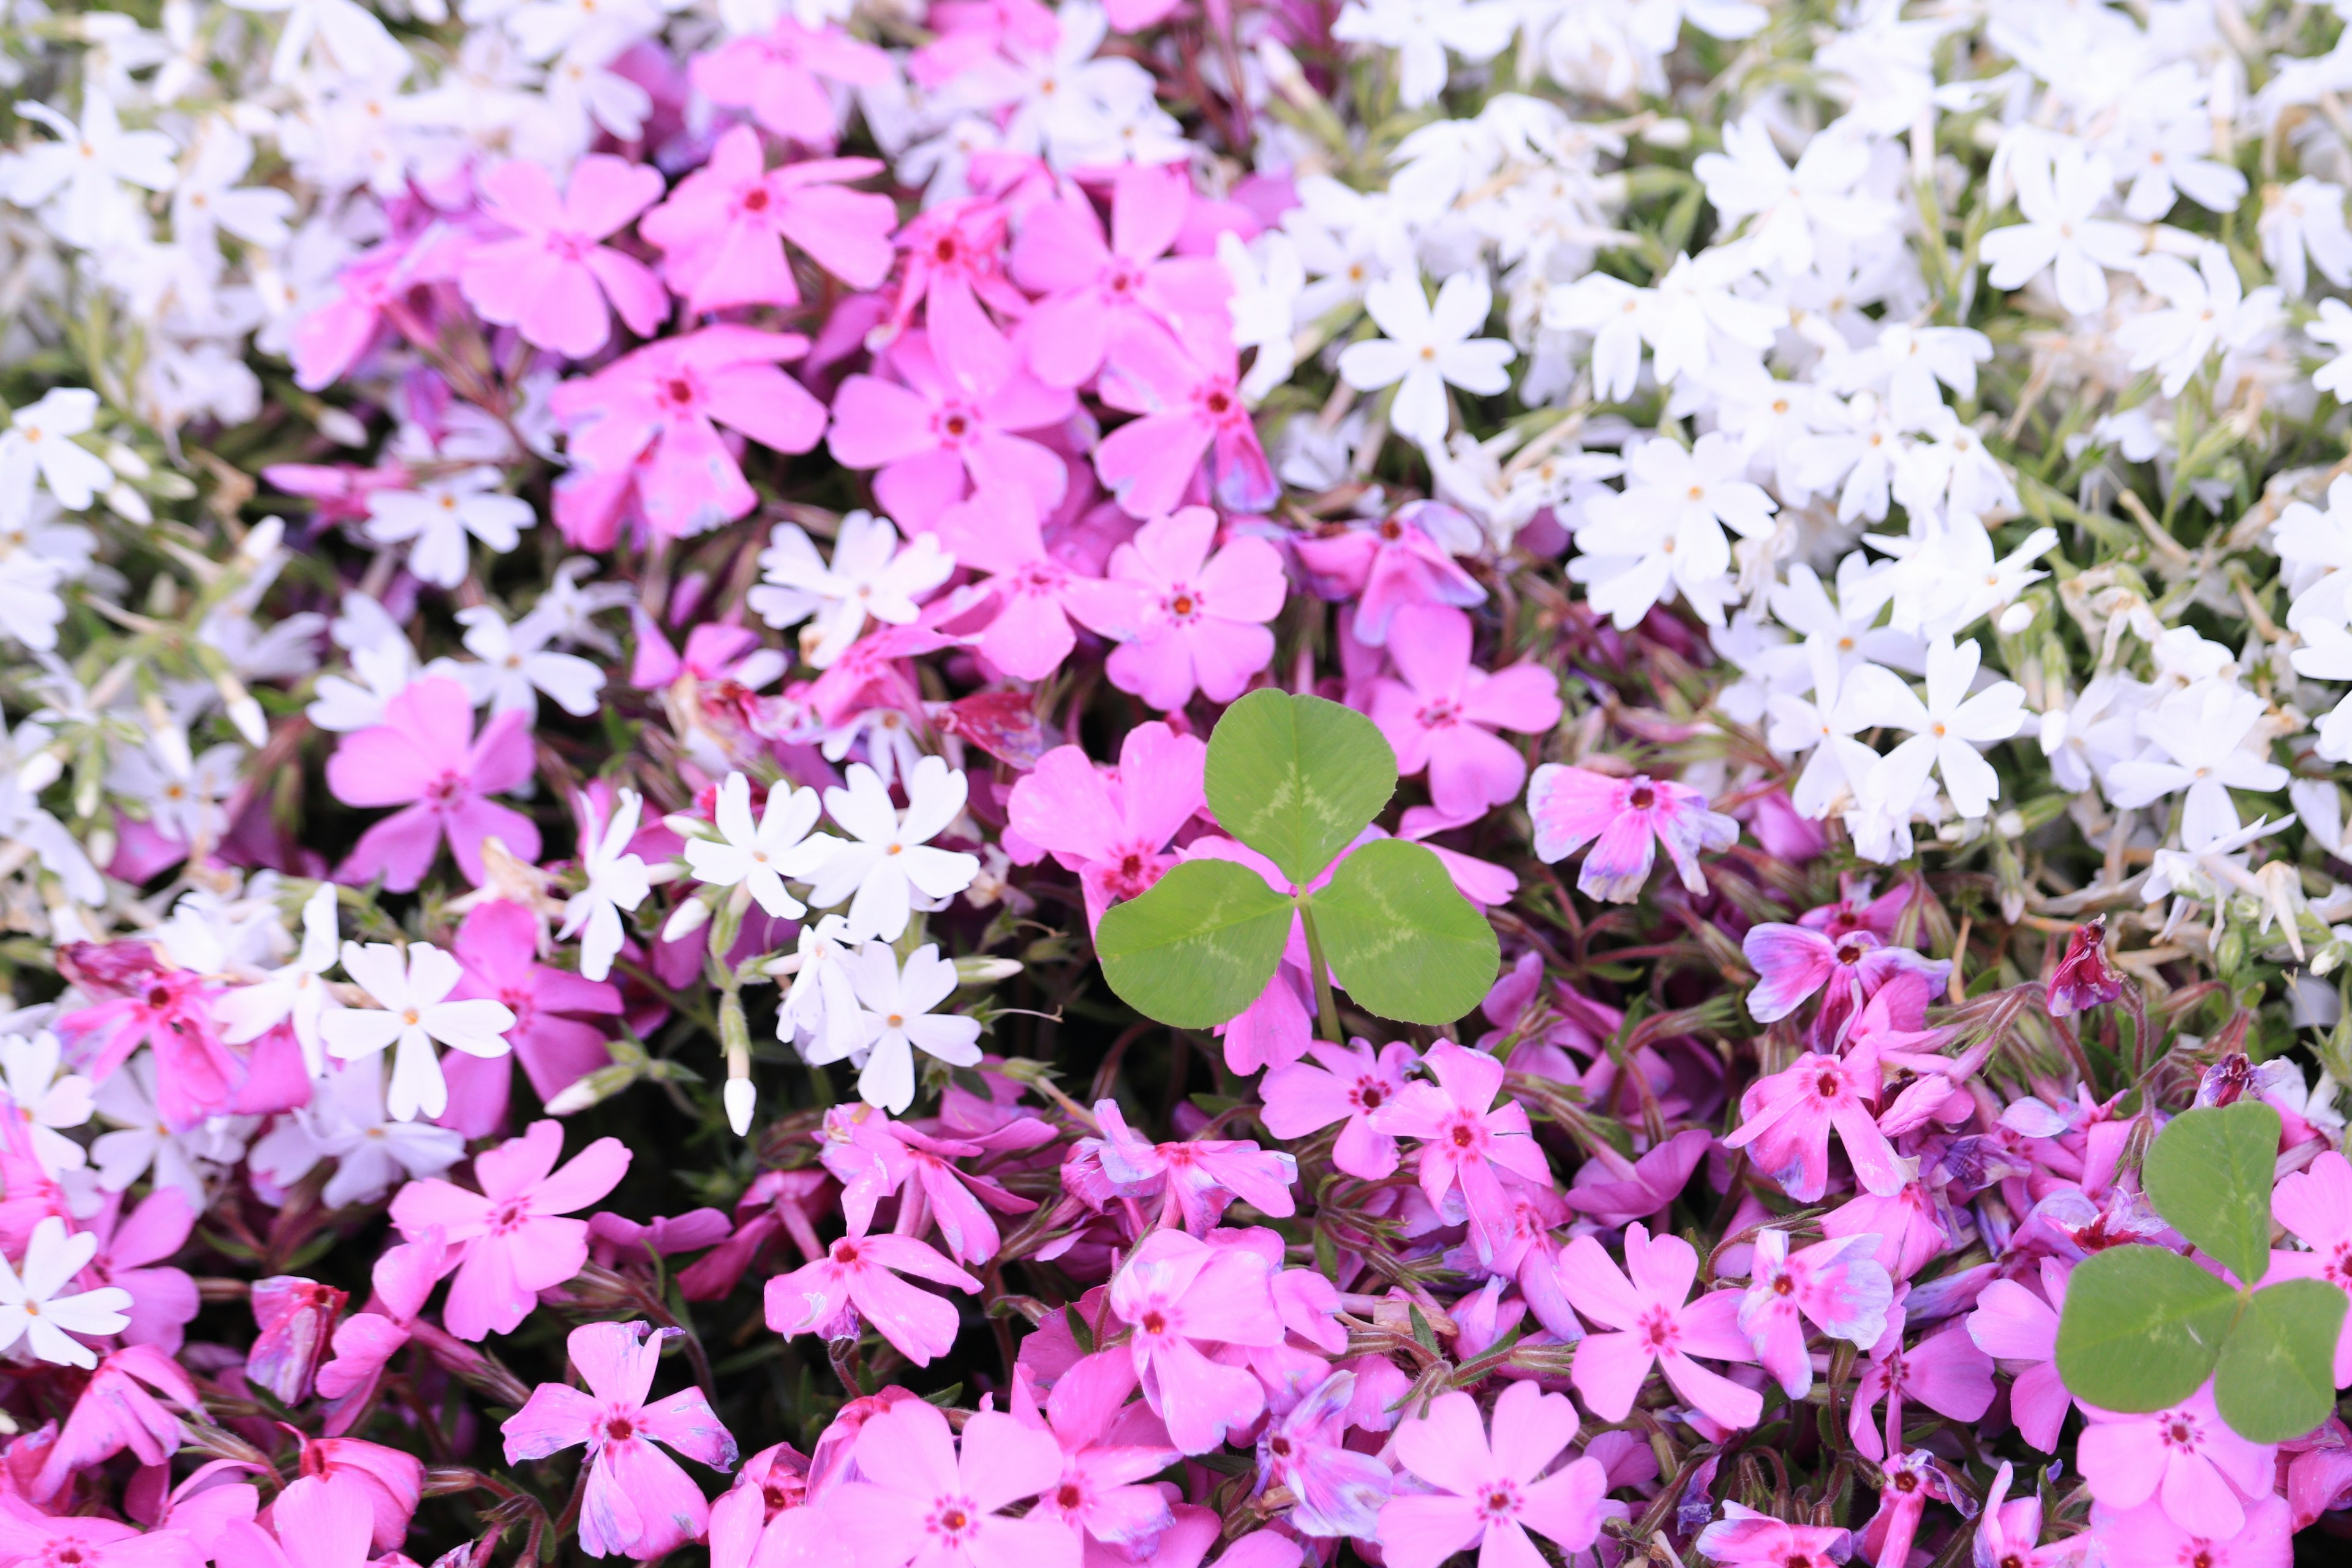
(1199,946)
(1297,778)
(2141,1328)
(2276,1377)
(2209,1173)
(1400,940)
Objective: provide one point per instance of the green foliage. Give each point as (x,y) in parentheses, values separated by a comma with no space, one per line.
(1296,779)
(2144,1327)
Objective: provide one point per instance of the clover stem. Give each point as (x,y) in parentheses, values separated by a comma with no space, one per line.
(1327,1010)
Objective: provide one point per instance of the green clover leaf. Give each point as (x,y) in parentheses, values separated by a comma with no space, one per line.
(2208,1174)
(2276,1377)
(2142,1328)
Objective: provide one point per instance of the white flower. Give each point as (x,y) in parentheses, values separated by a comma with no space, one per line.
(44,1101)
(1749,179)
(890,860)
(296,992)
(517,664)
(759,858)
(1691,319)
(84,169)
(345,1122)
(383,671)
(1267,279)
(1420,31)
(434,521)
(31,1308)
(870,576)
(2203,733)
(1427,348)
(45,432)
(2210,310)
(359,44)
(1839,764)
(617,880)
(2327,655)
(1945,729)
(144,1140)
(895,1018)
(1664,531)
(2315,548)
(2306,216)
(414,1012)
(182,796)
(2058,189)
(821,1008)
(208,198)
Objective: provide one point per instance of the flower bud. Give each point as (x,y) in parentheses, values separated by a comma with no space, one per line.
(2084,977)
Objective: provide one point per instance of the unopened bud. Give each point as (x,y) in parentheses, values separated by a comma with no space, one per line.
(41,770)
(2084,977)
(979,970)
(691,917)
(2015,619)
(1669,134)
(262,539)
(125,461)
(341,427)
(737,1097)
(246,715)
(128,504)
(592,1089)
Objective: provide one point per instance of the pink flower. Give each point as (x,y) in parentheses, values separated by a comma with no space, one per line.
(1468,1142)
(1944,1371)
(1185,388)
(2315,1204)
(297,1322)
(880,1156)
(1655,1324)
(1112,825)
(114,1412)
(955,260)
(1792,962)
(2012,1324)
(1092,287)
(722,231)
(1340,1491)
(499,945)
(857,1277)
(133,1252)
(2085,976)
(781,77)
(1199,1177)
(329,340)
(171,1010)
(425,758)
(1837,1285)
(1491,1496)
(1186,620)
(515,1242)
(637,1503)
(2147,1534)
(919,1500)
(1444,714)
(551,280)
(2186,1458)
(1789,1114)
(366,1342)
(935,437)
(1399,561)
(1908,1483)
(1183,1297)
(37,1540)
(1657,1178)
(644,432)
(319,1522)
(2008,1530)
(1351,1086)
(1629,818)
(1108,1457)
(767,1515)
(390,1482)
(1036,592)
(1748,1539)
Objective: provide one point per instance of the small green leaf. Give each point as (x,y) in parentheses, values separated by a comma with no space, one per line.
(2141,1328)
(1297,778)
(2209,1173)
(1199,946)
(1400,939)
(2276,1377)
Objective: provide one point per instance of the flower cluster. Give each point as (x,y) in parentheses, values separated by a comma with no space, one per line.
(729,725)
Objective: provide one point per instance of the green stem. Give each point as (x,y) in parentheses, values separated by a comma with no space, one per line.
(1327,1010)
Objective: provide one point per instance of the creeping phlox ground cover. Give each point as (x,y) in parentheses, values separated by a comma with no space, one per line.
(1156,784)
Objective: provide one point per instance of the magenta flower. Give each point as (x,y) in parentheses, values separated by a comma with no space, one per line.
(723,232)
(1112,825)
(767,1515)
(1399,561)
(955,260)
(919,1500)
(1746,1539)
(1090,287)
(2008,1530)
(1837,1285)
(1788,1116)
(2315,1204)
(116,1411)
(1351,1086)
(2085,976)
(1468,1142)
(1340,1491)
(1944,1371)
(1654,1323)
(365,1342)
(1107,1463)
(425,758)
(1187,620)
(1185,1297)
(319,1522)
(1908,1482)
(515,1242)
(296,1320)
(1792,962)
(636,1502)
(499,945)
(857,1277)
(2012,1324)
(133,1254)
(2197,1470)
(1185,388)
(1490,1495)
(30,1537)
(1198,1177)
(935,437)
(781,77)
(644,432)
(146,1004)
(1036,592)
(879,1157)
(2147,1534)
(550,281)
(1444,714)
(1624,820)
